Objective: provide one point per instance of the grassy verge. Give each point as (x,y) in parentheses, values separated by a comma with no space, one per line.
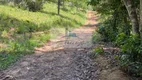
(21,31)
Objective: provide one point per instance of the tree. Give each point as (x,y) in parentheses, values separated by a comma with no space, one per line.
(59,3)
(141,20)
(133,16)
(121,15)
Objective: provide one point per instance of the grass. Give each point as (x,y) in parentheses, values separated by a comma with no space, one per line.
(21,30)
(47,15)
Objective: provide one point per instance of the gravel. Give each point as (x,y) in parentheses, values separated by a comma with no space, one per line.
(56,65)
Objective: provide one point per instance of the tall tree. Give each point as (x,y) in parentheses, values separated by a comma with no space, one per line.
(141,20)
(59,3)
(133,16)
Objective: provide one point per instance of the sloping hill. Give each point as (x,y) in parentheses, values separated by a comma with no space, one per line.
(21,30)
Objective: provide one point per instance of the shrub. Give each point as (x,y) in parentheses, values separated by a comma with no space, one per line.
(131,53)
(107,32)
(34,5)
(96,37)
(121,39)
(96,51)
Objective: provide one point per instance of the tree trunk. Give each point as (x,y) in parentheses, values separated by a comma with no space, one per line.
(63,3)
(133,16)
(59,7)
(141,20)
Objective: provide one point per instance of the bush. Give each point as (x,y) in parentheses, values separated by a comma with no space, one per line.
(96,51)
(108,30)
(96,37)
(31,5)
(107,33)
(34,5)
(131,53)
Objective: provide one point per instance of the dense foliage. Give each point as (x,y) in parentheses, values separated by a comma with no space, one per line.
(118,25)
(32,5)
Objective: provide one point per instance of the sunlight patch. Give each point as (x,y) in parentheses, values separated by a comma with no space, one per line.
(70,38)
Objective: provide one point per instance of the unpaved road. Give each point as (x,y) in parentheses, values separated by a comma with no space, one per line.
(67,62)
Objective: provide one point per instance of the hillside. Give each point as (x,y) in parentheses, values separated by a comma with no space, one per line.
(21,30)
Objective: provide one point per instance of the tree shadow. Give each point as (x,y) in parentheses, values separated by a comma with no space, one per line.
(49,13)
(14,34)
(91,25)
(53,14)
(80,15)
(8,22)
(14,29)
(62,16)
(93,18)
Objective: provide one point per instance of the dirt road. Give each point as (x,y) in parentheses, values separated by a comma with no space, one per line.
(60,59)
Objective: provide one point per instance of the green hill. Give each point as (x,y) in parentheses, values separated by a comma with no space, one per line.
(21,30)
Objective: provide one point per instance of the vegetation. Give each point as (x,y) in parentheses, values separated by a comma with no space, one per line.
(96,51)
(26,24)
(24,28)
(120,25)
